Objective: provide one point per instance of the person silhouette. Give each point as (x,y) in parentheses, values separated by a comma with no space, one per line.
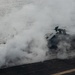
(56,28)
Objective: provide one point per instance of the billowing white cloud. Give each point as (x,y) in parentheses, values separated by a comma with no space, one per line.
(24,25)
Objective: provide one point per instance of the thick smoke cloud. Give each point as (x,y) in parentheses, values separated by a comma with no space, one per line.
(23,27)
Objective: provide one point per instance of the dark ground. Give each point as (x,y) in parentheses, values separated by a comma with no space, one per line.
(42,68)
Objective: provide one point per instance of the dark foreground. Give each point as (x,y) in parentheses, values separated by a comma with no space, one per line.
(50,67)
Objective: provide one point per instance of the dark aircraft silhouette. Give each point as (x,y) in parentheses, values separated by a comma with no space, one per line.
(60,36)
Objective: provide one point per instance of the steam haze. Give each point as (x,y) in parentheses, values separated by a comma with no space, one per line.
(24,24)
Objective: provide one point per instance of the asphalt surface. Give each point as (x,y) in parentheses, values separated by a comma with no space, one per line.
(50,67)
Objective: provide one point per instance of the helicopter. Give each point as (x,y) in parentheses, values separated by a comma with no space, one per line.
(60,40)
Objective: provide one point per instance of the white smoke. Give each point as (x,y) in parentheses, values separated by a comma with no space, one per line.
(23,27)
